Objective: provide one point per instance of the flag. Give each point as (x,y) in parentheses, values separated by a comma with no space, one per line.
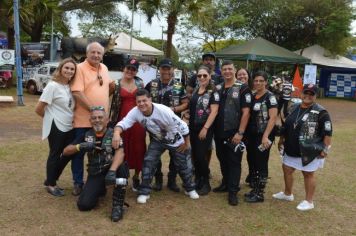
(297,83)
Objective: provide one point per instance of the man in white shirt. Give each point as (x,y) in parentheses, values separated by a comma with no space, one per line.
(167,132)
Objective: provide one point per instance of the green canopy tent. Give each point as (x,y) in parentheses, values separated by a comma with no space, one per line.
(259,49)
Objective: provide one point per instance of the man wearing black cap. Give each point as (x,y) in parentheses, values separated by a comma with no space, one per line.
(209,60)
(169,92)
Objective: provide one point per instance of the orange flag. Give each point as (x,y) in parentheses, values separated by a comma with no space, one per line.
(297,83)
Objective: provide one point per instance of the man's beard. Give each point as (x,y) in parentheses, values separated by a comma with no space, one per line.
(98,128)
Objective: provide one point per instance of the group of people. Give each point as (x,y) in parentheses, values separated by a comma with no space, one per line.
(233,110)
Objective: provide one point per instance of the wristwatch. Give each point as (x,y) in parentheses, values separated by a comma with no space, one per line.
(326,149)
(241,133)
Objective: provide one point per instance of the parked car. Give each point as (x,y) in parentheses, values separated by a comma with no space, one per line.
(38,81)
(41,77)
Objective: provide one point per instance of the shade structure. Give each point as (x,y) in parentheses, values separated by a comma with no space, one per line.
(320,56)
(139,48)
(259,49)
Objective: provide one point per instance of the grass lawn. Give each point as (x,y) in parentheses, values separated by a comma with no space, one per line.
(26,208)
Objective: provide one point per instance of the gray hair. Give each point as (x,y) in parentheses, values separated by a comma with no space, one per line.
(96,43)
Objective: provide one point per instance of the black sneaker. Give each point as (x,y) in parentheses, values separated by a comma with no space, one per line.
(55,191)
(77,189)
(135,184)
(221,188)
(233,200)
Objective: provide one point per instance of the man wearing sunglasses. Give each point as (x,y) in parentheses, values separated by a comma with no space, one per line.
(169,92)
(90,88)
(106,165)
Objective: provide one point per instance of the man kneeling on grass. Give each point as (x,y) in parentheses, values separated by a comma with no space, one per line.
(167,132)
(105,164)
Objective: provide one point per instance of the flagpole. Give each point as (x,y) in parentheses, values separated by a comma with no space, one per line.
(18,54)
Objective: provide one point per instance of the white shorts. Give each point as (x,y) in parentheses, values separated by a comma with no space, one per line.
(296,163)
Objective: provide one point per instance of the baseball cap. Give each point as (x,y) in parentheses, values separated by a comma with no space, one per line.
(208,54)
(166,63)
(310,88)
(132,62)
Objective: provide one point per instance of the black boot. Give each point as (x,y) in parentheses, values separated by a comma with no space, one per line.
(258,191)
(253,182)
(221,188)
(118,198)
(205,186)
(232,198)
(172,184)
(158,182)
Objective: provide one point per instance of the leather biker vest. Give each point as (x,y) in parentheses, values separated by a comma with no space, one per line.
(100,160)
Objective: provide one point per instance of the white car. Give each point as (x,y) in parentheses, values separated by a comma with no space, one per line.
(41,77)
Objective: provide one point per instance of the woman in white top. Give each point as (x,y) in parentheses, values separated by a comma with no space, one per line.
(56,106)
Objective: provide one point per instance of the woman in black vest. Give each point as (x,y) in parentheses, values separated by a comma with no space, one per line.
(203,109)
(260,135)
(305,141)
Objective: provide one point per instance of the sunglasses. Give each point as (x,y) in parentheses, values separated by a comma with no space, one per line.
(202,76)
(100,79)
(97,108)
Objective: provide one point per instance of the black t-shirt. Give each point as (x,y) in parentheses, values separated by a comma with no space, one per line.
(218,79)
(291,134)
(270,101)
(245,101)
(192,108)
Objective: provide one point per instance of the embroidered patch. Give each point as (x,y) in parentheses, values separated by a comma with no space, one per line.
(305,117)
(257,107)
(248,98)
(235,94)
(216,97)
(273,100)
(205,101)
(218,87)
(154,84)
(89,139)
(327,126)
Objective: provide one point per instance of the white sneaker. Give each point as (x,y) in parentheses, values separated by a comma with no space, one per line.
(283,196)
(305,206)
(192,194)
(143,199)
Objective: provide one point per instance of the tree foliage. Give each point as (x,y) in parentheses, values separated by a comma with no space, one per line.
(171,10)
(296,24)
(95,23)
(157,43)
(211,25)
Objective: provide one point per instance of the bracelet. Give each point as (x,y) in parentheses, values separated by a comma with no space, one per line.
(205,127)
(241,133)
(77,147)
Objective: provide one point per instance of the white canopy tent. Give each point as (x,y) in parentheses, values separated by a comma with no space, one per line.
(320,56)
(138,48)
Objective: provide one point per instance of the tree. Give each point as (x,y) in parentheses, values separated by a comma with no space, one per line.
(296,24)
(102,25)
(211,28)
(171,10)
(157,43)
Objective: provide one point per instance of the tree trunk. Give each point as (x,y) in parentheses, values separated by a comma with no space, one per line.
(11,37)
(171,21)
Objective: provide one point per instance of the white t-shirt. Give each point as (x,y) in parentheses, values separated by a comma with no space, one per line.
(163,125)
(60,107)
(146,73)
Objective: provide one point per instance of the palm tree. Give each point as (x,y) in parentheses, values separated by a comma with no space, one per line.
(171,10)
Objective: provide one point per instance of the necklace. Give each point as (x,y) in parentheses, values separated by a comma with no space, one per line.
(299,117)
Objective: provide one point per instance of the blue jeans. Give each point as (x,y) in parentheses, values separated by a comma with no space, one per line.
(182,163)
(78,159)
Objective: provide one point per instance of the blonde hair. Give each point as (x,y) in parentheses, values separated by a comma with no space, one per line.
(57,73)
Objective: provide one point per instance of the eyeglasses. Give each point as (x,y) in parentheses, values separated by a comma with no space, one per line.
(203,75)
(97,108)
(100,79)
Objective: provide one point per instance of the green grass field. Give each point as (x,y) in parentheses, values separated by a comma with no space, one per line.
(27,209)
